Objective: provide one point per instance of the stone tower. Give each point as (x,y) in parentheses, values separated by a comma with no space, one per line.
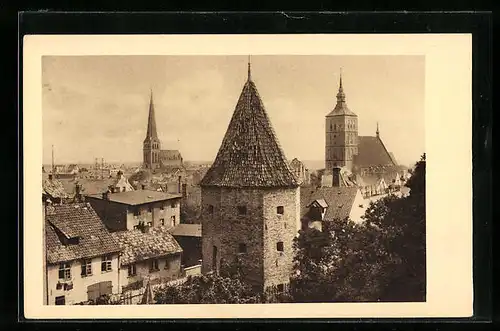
(250,199)
(341,129)
(151,145)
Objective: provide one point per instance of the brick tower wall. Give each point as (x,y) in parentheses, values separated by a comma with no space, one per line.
(280,228)
(226,229)
(260,230)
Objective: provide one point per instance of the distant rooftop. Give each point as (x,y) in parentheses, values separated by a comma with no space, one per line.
(138,197)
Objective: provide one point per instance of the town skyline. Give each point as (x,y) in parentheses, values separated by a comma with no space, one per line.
(195,96)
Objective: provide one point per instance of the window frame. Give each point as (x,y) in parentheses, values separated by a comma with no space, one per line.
(106,265)
(242,210)
(280,210)
(281,245)
(132,270)
(242,248)
(65,268)
(154,265)
(86,266)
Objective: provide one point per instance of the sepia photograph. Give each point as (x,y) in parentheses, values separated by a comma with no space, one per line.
(235,179)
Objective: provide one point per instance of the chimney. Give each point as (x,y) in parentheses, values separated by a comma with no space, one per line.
(77,191)
(336,182)
(179,184)
(184,190)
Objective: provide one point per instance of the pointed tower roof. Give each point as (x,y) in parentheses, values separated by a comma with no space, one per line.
(151,131)
(250,154)
(341,106)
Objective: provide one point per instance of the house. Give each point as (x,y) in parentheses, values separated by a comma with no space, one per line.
(128,210)
(53,190)
(331,203)
(147,254)
(189,237)
(73,169)
(121,183)
(81,255)
(300,171)
(372,185)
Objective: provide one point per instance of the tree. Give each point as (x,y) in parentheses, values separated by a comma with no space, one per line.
(382,259)
(224,288)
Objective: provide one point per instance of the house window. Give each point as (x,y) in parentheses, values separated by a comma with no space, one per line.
(86,268)
(61,301)
(132,271)
(242,248)
(280,210)
(162,221)
(172,219)
(106,263)
(210,209)
(153,265)
(242,210)
(65,271)
(167,264)
(279,246)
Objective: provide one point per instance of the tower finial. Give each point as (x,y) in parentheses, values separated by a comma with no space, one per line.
(249,69)
(378,132)
(340,86)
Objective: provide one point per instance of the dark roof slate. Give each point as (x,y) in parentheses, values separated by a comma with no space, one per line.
(76,220)
(250,155)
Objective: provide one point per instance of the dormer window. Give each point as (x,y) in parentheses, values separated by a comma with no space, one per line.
(242,210)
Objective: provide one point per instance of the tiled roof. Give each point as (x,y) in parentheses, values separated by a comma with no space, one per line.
(54,188)
(138,197)
(372,152)
(340,201)
(250,155)
(138,246)
(170,154)
(76,220)
(186,230)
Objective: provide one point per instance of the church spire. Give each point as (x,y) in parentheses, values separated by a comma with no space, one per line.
(151,131)
(340,94)
(378,132)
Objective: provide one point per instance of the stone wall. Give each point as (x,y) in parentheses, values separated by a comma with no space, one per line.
(259,230)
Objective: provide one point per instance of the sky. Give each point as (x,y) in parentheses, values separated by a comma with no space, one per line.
(97,106)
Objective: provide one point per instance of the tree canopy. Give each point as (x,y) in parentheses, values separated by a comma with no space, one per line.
(382,259)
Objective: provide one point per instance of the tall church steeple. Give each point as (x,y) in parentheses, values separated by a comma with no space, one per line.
(341,139)
(151,132)
(151,145)
(378,132)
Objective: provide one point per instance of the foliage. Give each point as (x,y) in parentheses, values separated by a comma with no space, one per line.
(382,259)
(227,287)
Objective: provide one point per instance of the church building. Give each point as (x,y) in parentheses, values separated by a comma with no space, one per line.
(250,200)
(153,156)
(360,155)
